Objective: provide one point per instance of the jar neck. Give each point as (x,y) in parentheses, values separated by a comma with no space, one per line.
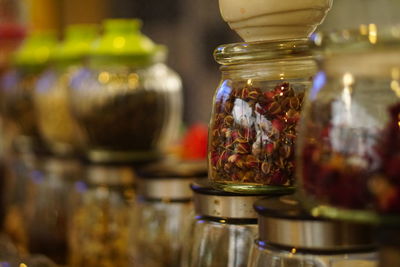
(296,68)
(253,52)
(377,64)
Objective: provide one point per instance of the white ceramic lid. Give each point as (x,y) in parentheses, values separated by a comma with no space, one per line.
(261,20)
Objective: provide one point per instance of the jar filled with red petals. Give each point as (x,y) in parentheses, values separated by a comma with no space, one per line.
(349,144)
(256,108)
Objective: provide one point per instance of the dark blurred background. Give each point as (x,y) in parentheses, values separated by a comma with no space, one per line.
(191,30)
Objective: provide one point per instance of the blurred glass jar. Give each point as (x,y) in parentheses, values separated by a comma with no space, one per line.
(127,101)
(38,215)
(18,86)
(289,236)
(223,230)
(56,124)
(255,113)
(101,217)
(348,157)
(163,204)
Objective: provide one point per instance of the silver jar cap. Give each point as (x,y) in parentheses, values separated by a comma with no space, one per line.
(214,203)
(166,189)
(169,180)
(110,175)
(283,221)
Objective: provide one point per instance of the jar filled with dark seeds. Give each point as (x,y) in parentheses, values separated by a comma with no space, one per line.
(127,101)
(17,87)
(256,109)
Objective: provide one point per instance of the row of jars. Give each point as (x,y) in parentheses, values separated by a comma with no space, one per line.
(109,97)
(324,111)
(97,214)
(168,215)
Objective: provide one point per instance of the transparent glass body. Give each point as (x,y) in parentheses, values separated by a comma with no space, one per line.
(126,113)
(218,243)
(18,106)
(255,112)
(157,232)
(37,215)
(348,148)
(57,126)
(99,224)
(266,255)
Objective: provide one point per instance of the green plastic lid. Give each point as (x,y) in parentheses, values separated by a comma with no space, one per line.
(123,43)
(35,51)
(76,45)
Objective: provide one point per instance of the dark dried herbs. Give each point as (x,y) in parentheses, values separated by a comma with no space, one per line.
(128,122)
(338,179)
(252,134)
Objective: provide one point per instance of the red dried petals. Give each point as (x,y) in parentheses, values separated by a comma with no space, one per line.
(261,150)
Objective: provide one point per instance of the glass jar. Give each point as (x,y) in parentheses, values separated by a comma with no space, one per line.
(56,124)
(127,101)
(163,204)
(38,215)
(289,236)
(255,113)
(223,230)
(101,216)
(18,86)
(348,149)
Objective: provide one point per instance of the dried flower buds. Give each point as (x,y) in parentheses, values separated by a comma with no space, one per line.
(252,136)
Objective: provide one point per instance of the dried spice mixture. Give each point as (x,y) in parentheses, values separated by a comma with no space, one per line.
(253,131)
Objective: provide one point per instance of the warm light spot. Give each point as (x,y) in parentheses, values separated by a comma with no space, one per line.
(394,84)
(22,265)
(363,29)
(348,79)
(282,76)
(222,221)
(372,33)
(119,42)
(133,80)
(294,251)
(249,82)
(104,77)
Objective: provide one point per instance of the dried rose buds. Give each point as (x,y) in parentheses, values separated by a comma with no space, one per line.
(252,134)
(366,180)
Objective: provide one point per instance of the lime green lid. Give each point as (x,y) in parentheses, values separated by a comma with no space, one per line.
(123,43)
(77,43)
(35,51)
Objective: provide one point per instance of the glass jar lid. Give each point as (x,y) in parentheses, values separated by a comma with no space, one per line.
(284,222)
(110,175)
(368,51)
(123,43)
(219,204)
(77,43)
(239,53)
(35,51)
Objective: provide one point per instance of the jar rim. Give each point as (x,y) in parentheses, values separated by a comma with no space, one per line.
(245,52)
(363,39)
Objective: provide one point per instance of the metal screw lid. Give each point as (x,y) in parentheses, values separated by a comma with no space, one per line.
(110,175)
(170,180)
(213,203)
(284,222)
